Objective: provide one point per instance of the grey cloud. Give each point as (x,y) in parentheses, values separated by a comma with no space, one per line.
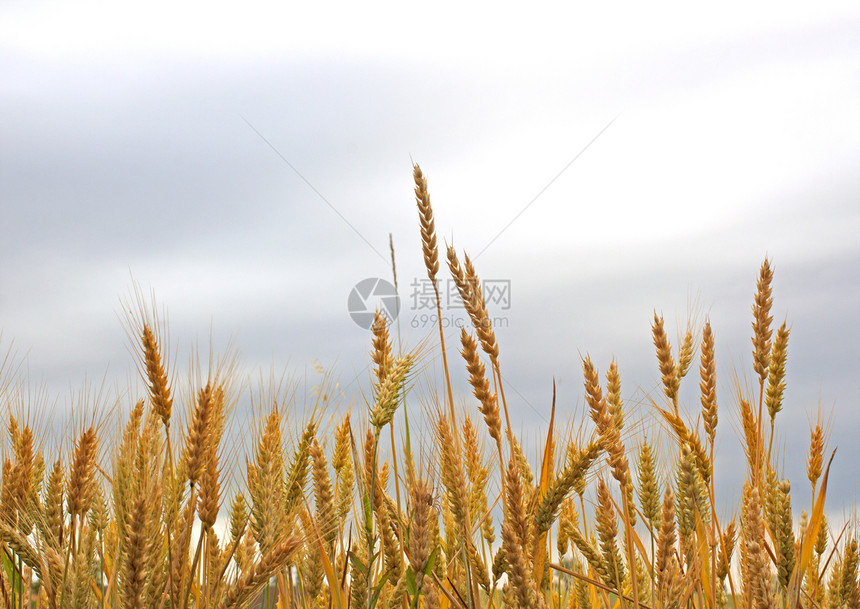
(106,170)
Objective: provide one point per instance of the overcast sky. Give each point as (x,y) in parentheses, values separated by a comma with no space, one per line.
(247,163)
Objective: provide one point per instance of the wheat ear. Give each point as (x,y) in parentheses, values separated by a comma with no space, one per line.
(666,363)
(156,375)
(431,262)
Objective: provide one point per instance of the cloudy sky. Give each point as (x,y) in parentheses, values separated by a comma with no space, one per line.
(602,160)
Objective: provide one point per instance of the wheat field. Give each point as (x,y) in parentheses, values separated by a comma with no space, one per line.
(357,513)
